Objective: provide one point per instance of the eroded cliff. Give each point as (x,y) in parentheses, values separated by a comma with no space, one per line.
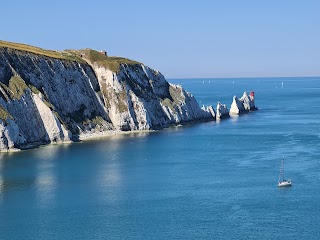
(53,97)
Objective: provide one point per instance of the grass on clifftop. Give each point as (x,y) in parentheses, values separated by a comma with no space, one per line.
(112,63)
(40,51)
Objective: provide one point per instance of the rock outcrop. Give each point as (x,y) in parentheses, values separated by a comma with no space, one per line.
(243,105)
(9,134)
(248,102)
(210,109)
(222,111)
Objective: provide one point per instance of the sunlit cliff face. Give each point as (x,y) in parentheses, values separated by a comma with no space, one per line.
(46,99)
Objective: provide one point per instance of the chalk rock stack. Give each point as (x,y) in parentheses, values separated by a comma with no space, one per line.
(243,105)
(222,111)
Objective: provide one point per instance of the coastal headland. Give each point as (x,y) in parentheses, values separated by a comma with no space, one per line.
(72,95)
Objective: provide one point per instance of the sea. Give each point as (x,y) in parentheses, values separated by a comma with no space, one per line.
(211,180)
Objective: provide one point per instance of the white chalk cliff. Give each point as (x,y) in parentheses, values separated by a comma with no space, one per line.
(46,99)
(49,97)
(139,98)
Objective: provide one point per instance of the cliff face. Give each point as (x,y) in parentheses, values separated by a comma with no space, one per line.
(46,99)
(139,98)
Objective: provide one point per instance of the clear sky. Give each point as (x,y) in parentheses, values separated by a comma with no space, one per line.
(204,38)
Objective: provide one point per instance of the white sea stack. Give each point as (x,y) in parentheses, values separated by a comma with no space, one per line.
(222,111)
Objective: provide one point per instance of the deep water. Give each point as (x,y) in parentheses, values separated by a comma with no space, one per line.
(213,180)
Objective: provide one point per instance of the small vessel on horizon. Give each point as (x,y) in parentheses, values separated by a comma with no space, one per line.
(283,182)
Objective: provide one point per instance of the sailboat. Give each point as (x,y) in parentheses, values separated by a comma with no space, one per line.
(283,182)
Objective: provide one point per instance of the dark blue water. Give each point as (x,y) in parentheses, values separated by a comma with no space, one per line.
(215,180)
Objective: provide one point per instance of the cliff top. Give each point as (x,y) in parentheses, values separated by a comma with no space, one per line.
(40,51)
(112,63)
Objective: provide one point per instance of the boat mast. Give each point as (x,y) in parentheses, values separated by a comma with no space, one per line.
(281,175)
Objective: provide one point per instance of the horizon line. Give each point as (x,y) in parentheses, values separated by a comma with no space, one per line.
(240,77)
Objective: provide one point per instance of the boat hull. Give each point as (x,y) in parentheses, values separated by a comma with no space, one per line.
(285,183)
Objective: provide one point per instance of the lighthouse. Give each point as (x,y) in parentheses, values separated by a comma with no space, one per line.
(252,96)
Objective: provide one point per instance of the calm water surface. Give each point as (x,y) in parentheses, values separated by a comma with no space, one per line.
(215,180)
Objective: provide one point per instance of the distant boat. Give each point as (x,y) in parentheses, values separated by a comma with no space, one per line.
(283,182)
(282,84)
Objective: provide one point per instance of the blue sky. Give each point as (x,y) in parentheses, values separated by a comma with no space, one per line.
(182,39)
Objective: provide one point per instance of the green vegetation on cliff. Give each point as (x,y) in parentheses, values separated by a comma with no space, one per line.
(175,98)
(4,114)
(112,63)
(15,87)
(48,53)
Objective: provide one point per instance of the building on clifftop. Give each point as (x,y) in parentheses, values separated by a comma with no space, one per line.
(103,52)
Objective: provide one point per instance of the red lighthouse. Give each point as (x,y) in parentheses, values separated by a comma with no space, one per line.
(252,96)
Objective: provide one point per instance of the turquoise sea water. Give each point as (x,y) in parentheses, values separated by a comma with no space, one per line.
(214,180)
